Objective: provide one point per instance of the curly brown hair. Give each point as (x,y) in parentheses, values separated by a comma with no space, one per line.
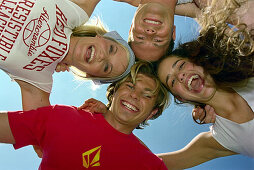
(226,53)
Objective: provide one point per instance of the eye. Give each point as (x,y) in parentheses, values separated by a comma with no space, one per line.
(130,85)
(149,96)
(111,48)
(106,67)
(173,82)
(181,66)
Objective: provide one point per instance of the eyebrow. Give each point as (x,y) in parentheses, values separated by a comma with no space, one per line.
(173,66)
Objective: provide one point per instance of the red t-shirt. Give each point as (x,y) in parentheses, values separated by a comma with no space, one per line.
(74,139)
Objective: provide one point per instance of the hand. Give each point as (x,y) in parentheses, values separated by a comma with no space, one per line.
(202,116)
(61,67)
(94,106)
(38,151)
(131,2)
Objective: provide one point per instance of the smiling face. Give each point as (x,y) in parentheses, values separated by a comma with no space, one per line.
(98,56)
(186,80)
(133,103)
(151,31)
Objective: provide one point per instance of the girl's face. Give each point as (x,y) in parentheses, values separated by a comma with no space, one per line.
(99,57)
(185,80)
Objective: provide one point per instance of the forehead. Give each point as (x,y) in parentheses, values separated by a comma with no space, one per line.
(144,81)
(170,61)
(166,66)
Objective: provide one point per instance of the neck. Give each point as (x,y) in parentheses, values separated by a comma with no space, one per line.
(118,125)
(229,104)
(221,99)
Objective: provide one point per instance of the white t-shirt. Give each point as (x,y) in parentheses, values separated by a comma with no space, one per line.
(35,36)
(233,136)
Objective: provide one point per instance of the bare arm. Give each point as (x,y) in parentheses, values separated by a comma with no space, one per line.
(188,9)
(131,2)
(87,5)
(5,130)
(32,97)
(201,149)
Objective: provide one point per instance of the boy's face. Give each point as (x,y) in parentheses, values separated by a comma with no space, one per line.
(151,31)
(133,103)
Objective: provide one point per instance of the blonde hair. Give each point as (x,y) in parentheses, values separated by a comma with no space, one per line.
(238,36)
(90,29)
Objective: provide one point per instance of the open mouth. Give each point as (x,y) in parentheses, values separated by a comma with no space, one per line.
(152,21)
(195,83)
(129,106)
(90,54)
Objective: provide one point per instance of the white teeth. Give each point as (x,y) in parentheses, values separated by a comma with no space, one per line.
(130,107)
(151,22)
(190,81)
(92,54)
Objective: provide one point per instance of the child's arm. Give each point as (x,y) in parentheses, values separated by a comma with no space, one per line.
(33,98)
(131,2)
(5,130)
(94,106)
(187,9)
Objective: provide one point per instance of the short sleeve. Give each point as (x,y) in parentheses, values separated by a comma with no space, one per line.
(29,127)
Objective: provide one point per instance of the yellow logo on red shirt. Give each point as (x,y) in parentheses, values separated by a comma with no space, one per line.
(91,158)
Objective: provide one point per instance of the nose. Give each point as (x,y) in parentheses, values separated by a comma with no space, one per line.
(150,31)
(101,56)
(181,76)
(134,94)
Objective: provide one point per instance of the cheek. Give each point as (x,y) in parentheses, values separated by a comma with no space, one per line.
(179,90)
(95,70)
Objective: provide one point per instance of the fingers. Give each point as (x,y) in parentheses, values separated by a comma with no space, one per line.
(61,67)
(210,114)
(88,103)
(93,106)
(202,116)
(198,115)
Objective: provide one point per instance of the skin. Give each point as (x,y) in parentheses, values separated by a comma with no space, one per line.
(150,41)
(177,76)
(226,103)
(139,96)
(109,59)
(121,117)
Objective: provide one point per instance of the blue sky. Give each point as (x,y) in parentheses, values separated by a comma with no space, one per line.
(170,132)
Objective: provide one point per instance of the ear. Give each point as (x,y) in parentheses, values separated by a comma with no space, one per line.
(154,111)
(174,33)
